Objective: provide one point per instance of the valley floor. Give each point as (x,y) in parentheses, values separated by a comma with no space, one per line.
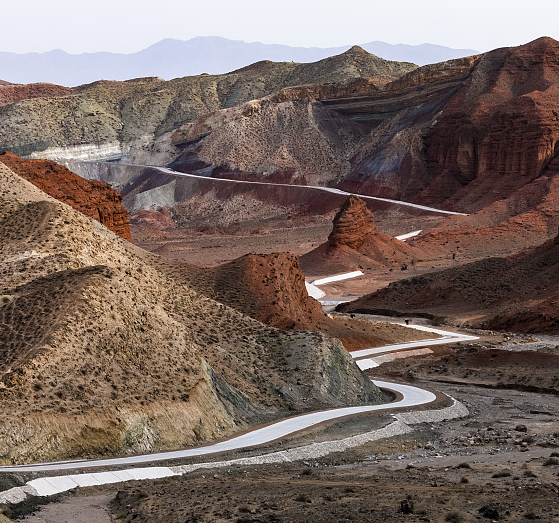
(483,466)
(499,463)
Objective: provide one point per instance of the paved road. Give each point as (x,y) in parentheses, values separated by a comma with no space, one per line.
(410,397)
(165,170)
(338,277)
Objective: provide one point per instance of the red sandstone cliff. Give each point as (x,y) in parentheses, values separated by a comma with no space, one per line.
(500,131)
(91,197)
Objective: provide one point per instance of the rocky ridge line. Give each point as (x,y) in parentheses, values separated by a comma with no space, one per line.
(93,198)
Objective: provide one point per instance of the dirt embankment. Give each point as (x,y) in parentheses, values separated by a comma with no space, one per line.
(518,293)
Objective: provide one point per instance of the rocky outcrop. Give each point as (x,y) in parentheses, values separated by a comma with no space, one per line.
(93,198)
(500,131)
(355,243)
(353,224)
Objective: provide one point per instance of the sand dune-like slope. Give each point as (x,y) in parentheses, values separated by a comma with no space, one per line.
(102,353)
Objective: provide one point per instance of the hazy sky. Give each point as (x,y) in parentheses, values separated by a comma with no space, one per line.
(130,25)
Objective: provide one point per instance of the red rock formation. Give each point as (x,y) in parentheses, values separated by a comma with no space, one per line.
(500,131)
(355,243)
(270,288)
(11,93)
(353,224)
(91,197)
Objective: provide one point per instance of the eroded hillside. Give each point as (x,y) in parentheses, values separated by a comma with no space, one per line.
(103,353)
(114,118)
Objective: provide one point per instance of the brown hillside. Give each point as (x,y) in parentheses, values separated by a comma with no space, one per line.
(519,293)
(12,93)
(102,353)
(91,197)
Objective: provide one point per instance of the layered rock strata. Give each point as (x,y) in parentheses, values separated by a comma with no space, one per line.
(93,198)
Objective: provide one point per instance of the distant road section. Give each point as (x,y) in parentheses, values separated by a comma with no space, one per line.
(314,292)
(404,237)
(315,187)
(338,277)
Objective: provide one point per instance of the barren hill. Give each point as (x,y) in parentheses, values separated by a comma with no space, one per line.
(107,118)
(519,293)
(271,288)
(102,353)
(461,134)
(93,198)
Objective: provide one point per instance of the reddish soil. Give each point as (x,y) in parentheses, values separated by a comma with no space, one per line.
(519,293)
(93,198)
(11,93)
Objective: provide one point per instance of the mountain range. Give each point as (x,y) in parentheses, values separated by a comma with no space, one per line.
(171,58)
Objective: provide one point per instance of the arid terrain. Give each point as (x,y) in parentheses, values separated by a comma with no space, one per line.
(437,187)
(102,352)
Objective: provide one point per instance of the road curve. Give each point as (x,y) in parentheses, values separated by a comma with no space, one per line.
(410,397)
(166,170)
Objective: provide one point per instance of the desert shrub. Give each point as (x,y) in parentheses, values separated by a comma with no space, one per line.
(489,512)
(406,505)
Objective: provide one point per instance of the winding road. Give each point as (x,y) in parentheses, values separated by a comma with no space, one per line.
(406,396)
(171,172)
(409,397)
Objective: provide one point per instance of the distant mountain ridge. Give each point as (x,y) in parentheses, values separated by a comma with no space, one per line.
(171,58)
